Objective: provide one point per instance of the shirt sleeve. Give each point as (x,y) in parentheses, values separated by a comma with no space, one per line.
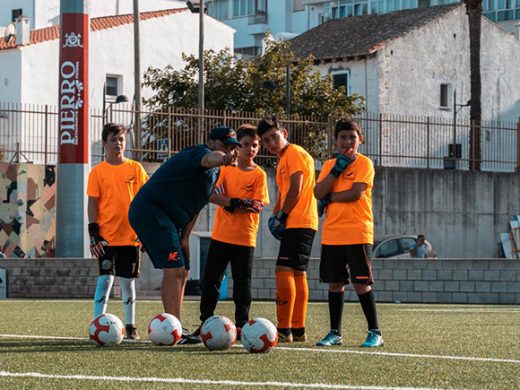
(93,188)
(325,170)
(366,173)
(295,161)
(261,191)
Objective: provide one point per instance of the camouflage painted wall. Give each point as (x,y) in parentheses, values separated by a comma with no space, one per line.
(27,210)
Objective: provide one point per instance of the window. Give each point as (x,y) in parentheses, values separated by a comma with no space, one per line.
(298,6)
(407,243)
(112,85)
(219,9)
(444,98)
(388,249)
(243,7)
(15,13)
(341,78)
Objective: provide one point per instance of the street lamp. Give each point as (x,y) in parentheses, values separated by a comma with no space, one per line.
(119,99)
(454,153)
(195,7)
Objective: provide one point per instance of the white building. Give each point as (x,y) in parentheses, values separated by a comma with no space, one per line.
(253,18)
(411,62)
(29,73)
(45,13)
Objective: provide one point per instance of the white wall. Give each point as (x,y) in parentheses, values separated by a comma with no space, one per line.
(44,13)
(410,84)
(163,40)
(10,75)
(364,79)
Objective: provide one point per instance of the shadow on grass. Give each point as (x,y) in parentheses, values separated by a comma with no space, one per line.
(86,346)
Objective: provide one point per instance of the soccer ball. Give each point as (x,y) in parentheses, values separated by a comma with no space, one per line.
(106,330)
(259,335)
(164,329)
(218,333)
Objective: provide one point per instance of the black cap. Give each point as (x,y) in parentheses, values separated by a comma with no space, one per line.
(225,134)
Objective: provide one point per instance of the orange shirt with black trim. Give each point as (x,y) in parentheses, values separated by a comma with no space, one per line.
(115,187)
(239,228)
(350,223)
(305,212)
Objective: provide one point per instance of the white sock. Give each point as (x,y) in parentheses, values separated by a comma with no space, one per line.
(103,287)
(128,296)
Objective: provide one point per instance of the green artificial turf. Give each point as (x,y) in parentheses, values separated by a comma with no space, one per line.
(427,346)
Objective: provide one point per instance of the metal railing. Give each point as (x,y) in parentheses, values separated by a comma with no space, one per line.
(30,133)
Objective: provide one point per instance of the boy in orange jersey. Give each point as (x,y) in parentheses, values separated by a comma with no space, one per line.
(294,222)
(241,192)
(112,185)
(345,191)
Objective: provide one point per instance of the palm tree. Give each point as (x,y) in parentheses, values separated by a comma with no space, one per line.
(474,12)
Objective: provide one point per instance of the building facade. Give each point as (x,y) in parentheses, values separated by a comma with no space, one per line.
(285,18)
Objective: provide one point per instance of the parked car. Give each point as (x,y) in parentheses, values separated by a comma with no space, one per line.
(398,246)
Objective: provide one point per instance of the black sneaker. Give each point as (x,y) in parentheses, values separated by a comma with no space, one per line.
(131,333)
(190,338)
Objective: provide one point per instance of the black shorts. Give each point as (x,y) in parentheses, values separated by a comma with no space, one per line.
(334,261)
(123,261)
(295,249)
(159,236)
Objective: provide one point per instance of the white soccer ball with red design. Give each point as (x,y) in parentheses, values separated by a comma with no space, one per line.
(106,330)
(218,333)
(164,329)
(259,335)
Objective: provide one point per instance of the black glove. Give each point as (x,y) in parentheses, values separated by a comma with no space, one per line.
(342,162)
(277,224)
(323,203)
(251,205)
(97,242)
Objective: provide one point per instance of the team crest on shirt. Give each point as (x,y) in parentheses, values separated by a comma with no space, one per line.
(350,175)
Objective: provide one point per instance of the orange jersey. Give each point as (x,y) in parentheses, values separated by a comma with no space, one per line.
(348,223)
(115,186)
(239,228)
(305,212)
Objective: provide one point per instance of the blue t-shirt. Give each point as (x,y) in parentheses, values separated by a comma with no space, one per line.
(181,186)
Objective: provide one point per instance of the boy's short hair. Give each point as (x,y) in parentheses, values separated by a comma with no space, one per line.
(267,124)
(247,130)
(112,128)
(347,124)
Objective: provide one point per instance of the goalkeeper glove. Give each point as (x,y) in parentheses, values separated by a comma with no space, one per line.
(322,204)
(342,162)
(97,242)
(277,224)
(251,205)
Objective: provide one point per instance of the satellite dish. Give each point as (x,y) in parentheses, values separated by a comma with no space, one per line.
(10,31)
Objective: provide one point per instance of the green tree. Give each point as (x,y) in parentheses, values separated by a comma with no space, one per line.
(257,85)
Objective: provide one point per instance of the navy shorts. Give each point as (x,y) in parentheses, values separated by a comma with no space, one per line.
(159,235)
(123,261)
(336,258)
(295,248)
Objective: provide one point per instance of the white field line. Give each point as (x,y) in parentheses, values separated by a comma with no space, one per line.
(468,310)
(301,349)
(202,381)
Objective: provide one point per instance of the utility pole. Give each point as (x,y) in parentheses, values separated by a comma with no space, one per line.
(73,125)
(137,83)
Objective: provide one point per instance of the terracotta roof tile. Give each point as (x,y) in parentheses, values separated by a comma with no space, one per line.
(96,24)
(362,35)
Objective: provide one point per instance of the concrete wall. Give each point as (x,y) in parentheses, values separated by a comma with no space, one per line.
(494,281)
(461,213)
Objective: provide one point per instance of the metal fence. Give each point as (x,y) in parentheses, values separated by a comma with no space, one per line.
(30,133)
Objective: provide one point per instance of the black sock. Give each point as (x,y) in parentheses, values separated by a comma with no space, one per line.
(284,331)
(368,304)
(298,332)
(335,310)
